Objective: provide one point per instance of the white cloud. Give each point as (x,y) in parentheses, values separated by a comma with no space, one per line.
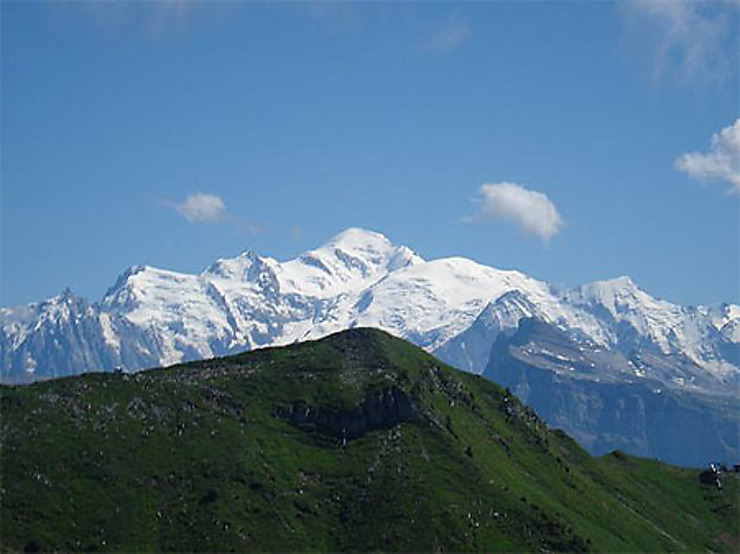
(338,16)
(721,163)
(165,14)
(200,207)
(158,18)
(453,32)
(533,212)
(692,41)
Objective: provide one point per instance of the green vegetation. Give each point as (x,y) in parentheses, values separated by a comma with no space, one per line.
(358,441)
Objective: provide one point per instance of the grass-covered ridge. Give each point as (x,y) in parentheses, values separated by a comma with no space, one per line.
(359,441)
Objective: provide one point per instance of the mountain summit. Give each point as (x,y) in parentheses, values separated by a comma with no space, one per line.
(453,307)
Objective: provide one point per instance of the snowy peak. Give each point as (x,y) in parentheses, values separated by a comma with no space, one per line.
(611,293)
(123,280)
(454,307)
(350,261)
(248,267)
(726,318)
(64,306)
(622,301)
(514,303)
(157,299)
(722,314)
(731,331)
(365,251)
(233,268)
(634,319)
(505,312)
(357,239)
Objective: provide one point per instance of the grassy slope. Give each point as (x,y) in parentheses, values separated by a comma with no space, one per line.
(192,457)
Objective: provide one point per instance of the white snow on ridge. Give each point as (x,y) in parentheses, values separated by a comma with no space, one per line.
(440,297)
(672,328)
(350,261)
(725,317)
(624,301)
(358,278)
(109,334)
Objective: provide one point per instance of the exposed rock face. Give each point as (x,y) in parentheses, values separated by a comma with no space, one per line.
(548,371)
(471,349)
(378,411)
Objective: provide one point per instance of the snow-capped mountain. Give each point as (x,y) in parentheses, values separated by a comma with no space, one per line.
(453,307)
(156,317)
(605,402)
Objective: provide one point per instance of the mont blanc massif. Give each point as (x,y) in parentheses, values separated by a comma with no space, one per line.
(606,362)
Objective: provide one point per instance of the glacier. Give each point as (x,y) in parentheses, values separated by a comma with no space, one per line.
(453,307)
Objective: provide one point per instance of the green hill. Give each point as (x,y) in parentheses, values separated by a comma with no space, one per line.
(359,441)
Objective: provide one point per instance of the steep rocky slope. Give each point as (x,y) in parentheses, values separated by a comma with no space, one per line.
(598,399)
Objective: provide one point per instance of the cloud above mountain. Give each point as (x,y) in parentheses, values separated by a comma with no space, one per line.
(721,163)
(453,32)
(200,208)
(532,211)
(691,42)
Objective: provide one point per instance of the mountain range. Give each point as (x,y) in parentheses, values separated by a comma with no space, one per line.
(602,350)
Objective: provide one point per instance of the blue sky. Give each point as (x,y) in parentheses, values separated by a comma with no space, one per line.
(573,141)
